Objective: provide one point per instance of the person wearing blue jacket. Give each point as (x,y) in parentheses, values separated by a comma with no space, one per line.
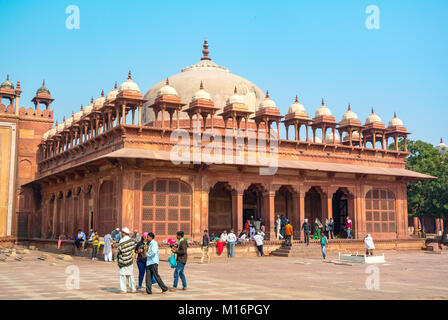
(152,265)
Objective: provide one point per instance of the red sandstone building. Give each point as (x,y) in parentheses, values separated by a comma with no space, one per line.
(110,164)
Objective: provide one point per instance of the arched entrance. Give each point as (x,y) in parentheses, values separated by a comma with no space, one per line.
(341,211)
(252,201)
(313,205)
(220,208)
(283,202)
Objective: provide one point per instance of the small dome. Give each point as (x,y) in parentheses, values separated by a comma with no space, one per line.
(112,94)
(349,115)
(43,89)
(78,114)
(267,103)
(60,127)
(45,135)
(167,90)
(442,147)
(373,118)
(329,138)
(129,85)
(323,111)
(235,98)
(355,136)
(51,133)
(89,108)
(7,84)
(100,101)
(395,122)
(68,123)
(317,140)
(296,107)
(201,94)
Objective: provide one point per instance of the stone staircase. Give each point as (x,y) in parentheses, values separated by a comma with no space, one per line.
(299,250)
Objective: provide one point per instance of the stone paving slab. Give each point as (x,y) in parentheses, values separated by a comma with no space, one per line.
(406,275)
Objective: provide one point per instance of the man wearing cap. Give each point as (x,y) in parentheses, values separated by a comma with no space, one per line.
(125,255)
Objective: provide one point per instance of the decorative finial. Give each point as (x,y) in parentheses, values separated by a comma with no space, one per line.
(395,114)
(235,91)
(373,111)
(43,83)
(73,113)
(267,94)
(115,87)
(82,108)
(102,93)
(167,82)
(129,75)
(205,52)
(7,77)
(441,140)
(63,119)
(56,123)
(201,85)
(297,99)
(323,102)
(91,100)
(349,107)
(18,85)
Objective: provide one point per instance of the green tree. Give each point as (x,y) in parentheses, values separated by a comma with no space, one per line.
(428,198)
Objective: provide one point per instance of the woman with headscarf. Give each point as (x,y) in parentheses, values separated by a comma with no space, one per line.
(107,249)
(368,241)
(141,249)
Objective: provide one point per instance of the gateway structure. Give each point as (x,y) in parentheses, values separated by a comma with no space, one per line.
(110,164)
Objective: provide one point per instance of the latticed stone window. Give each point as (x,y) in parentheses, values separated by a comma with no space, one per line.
(380,211)
(166,207)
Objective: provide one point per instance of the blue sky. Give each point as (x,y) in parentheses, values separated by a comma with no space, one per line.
(311,48)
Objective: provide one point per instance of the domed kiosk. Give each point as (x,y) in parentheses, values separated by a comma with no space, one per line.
(220,84)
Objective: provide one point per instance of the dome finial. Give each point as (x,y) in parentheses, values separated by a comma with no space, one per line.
(267,94)
(91,100)
(7,77)
(63,119)
(373,112)
(102,93)
(205,51)
(235,91)
(349,107)
(441,140)
(201,86)
(323,102)
(18,85)
(43,83)
(115,87)
(297,99)
(82,108)
(395,114)
(129,75)
(167,82)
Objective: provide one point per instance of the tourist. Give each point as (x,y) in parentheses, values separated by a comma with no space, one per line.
(125,256)
(278,226)
(136,236)
(259,242)
(81,236)
(231,239)
(368,241)
(306,231)
(92,233)
(262,227)
(107,249)
(141,249)
(223,236)
(331,224)
(152,265)
(117,236)
(252,228)
(327,228)
(95,241)
(282,225)
(288,235)
(205,247)
(247,227)
(243,237)
(181,257)
(323,245)
(317,229)
(348,226)
(257,224)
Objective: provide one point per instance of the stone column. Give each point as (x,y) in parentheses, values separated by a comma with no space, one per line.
(237,211)
(268,213)
(302,194)
(416,222)
(295,220)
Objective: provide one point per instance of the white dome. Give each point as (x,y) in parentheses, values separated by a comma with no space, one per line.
(218,81)
(267,103)
(167,90)
(395,122)
(349,115)
(235,98)
(89,108)
(373,118)
(317,140)
(100,101)
(68,122)
(60,127)
(78,115)
(45,135)
(129,85)
(112,94)
(355,136)
(296,107)
(329,138)
(442,147)
(323,111)
(51,133)
(201,94)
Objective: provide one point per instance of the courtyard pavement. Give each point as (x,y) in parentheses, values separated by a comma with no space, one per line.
(405,275)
